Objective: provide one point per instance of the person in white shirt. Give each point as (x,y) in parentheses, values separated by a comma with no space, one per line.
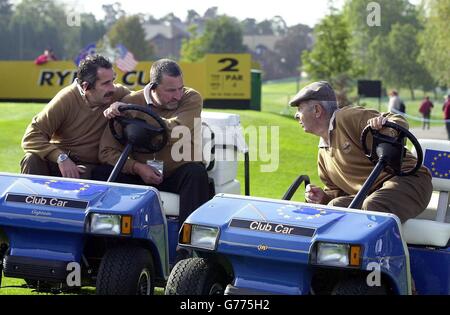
(394,102)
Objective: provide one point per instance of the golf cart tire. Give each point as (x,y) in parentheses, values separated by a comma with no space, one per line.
(124,271)
(196,276)
(32,284)
(358,286)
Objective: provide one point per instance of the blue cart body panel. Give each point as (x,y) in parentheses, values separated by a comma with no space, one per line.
(270,244)
(46,217)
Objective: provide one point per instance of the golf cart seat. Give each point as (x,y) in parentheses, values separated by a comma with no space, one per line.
(432,227)
(171,201)
(221,140)
(426,232)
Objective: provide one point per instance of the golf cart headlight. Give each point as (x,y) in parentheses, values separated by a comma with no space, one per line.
(338,255)
(199,236)
(332,254)
(108,224)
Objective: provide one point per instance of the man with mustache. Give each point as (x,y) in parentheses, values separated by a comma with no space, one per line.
(63,139)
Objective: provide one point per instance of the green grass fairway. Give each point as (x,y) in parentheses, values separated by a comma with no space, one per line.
(276,96)
(14,119)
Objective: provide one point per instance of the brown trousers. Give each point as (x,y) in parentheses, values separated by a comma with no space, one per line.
(406,196)
(33,164)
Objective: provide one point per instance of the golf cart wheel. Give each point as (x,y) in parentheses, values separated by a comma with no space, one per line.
(196,276)
(126,271)
(32,284)
(358,286)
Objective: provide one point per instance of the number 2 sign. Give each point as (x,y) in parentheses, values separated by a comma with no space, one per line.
(228,76)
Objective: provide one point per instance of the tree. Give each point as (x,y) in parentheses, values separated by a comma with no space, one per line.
(113,12)
(291,46)
(5,35)
(435,41)
(222,35)
(34,25)
(279,26)
(275,26)
(171,18)
(271,64)
(210,13)
(193,49)
(192,17)
(5,12)
(265,28)
(395,58)
(129,32)
(358,15)
(39,24)
(91,30)
(330,57)
(249,26)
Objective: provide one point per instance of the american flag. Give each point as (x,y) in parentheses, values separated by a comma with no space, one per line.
(125,60)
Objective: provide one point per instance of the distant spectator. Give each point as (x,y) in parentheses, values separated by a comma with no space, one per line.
(425,109)
(47,56)
(396,105)
(446,99)
(447,115)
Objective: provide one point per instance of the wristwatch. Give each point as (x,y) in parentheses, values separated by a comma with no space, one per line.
(62,157)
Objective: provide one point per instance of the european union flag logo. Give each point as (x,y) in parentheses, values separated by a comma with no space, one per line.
(302,213)
(438,162)
(62,187)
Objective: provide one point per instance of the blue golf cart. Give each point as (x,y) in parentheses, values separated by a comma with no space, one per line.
(59,234)
(249,246)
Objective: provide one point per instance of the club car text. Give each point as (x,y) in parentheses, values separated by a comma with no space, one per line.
(272,227)
(46,201)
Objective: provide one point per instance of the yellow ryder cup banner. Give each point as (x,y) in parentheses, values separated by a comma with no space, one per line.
(23,80)
(217,77)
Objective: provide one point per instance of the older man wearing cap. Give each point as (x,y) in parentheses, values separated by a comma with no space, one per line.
(342,164)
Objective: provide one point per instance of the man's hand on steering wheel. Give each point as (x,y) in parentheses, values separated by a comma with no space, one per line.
(145,137)
(113,110)
(394,135)
(377,122)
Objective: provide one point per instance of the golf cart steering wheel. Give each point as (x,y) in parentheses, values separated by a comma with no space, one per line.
(394,152)
(144,137)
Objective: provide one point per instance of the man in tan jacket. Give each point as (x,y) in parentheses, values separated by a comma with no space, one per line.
(63,139)
(342,164)
(180,108)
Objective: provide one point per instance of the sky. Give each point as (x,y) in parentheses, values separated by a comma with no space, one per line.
(307,12)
